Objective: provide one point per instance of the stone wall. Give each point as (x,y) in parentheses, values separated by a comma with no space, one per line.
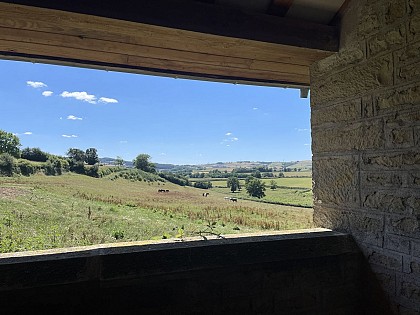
(311,272)
(366,143)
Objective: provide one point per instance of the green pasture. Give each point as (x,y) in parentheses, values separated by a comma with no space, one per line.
(41,212)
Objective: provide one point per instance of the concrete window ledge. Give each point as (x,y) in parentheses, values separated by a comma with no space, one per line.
(294,271)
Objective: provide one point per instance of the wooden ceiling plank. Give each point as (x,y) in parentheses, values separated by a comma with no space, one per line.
(204,18)
(88,27)
(114,60)
(30,36)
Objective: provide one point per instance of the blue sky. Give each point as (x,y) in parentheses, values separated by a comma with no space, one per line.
(173,120)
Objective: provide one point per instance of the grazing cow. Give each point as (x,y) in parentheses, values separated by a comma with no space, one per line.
(163,190)
(206,194)
(167,190)
(234,199)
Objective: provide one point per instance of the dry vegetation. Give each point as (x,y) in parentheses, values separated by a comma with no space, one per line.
(41,212)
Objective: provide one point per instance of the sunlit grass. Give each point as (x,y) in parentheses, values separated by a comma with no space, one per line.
(42,212)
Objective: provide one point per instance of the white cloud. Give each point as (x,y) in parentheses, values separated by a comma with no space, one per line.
(163,154)
(69,136)
(307,144)
(36,84)
(47,93)
(28,133)
(228,134)
(80,96)
(123,141)
(72,117)
(107,100)
(301,129)
(255,108)
(234,139)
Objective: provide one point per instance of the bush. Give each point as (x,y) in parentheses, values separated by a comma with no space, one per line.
(34,154)
(27,168)
(7,164)
(203,185)
(56,166)
(176,179)
(92,171)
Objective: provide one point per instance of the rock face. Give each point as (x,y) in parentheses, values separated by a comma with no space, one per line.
(366,144)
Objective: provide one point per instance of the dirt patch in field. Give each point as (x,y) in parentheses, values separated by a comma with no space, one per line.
(11,192)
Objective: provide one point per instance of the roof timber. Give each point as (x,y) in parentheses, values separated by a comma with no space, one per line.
(56,36)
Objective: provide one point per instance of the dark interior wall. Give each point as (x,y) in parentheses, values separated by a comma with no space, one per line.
(366,139)
(306,273)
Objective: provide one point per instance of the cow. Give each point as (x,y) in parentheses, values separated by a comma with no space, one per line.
(206,194)
(233,199)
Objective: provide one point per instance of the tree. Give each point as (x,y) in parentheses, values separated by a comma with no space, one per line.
(76,155)
(34,154)
(141,162)
(91,156)
(233,183)
(255,188)
(119,161)
(9,143)
(281,174)
(257,174)
(273,184)
(7,164)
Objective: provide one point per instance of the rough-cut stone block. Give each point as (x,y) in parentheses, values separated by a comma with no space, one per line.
(386,277)
(415,248)
(417,136)
(400,138)
(358,136)
(407,54)
(405,311)
(367,228)
(411,266)
(397,243)
(410,291)
(384,258)
(414,5)
(386,41)
(382,179)
(400,119)
(331,219)
(336,181)
(337,61)
(368,110)
(414,179)
(394,10)
(414,28)
(373,74)
(370,18)
(407,160)
(397,98)
(386,202)
(404,225)
(348,111)
(409,73)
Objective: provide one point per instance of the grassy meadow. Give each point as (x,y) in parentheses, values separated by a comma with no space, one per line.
(296,191)
(41,212)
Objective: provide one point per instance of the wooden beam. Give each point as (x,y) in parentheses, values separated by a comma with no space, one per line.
(51,36)
(204,18)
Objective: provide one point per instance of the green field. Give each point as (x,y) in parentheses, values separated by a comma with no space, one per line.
(41,212)
(295,191)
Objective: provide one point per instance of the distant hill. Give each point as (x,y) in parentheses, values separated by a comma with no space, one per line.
(228,166)
(159,167)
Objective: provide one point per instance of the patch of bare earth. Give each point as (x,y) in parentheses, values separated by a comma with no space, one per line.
(11,192)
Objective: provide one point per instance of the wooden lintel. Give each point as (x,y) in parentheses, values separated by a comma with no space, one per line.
(204,18)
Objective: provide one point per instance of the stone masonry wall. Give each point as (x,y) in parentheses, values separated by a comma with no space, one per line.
(366,143)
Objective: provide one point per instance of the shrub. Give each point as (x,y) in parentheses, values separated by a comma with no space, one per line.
(27,168)
(176,179)
(7,164)
(92,171)
(34,154)
(203,185)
